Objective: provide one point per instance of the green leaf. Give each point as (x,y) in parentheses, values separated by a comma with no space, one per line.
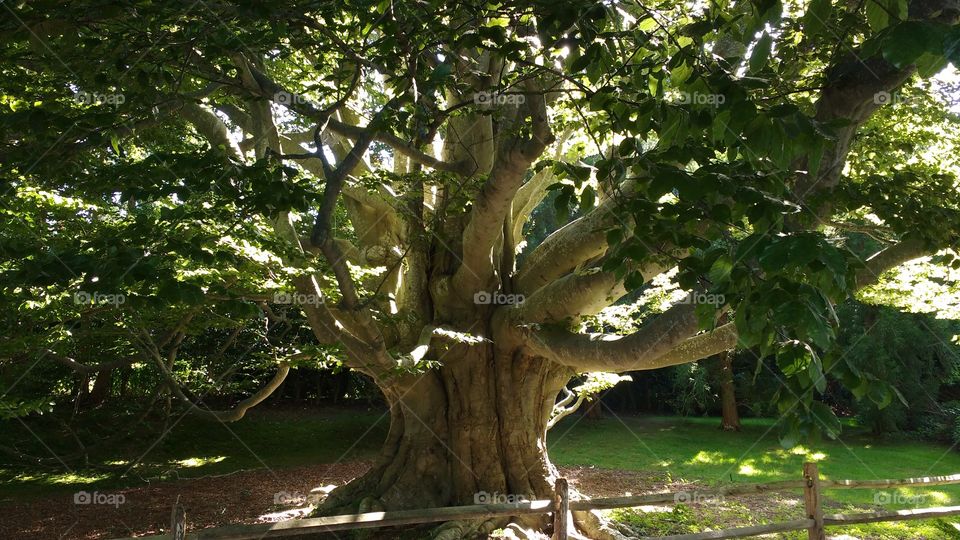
(826,420)
(614,237)
(587,198)
(721,126)
(877,16)
(761,53)
(589,57)
(794,358)
(680,74)
(816,17)
(442,71)
(720,270)
(930,64)
(906,43)
(881,395)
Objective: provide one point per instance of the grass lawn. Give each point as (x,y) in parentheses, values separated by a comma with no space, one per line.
(670,450)
(695,450)
(194,447)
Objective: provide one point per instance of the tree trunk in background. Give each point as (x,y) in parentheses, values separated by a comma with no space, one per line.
(593,410)
(101,388)
(730,420)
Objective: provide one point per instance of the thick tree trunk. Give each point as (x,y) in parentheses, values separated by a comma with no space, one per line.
(730,420)
(472,431)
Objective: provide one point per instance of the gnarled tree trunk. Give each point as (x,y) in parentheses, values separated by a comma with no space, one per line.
(470,432)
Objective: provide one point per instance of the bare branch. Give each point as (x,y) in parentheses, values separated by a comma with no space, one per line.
(533,191)
(239,410)
(562,410)
(671,338)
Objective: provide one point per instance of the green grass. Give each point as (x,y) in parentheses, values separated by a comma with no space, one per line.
(669,449)
(195,447)
(695,450)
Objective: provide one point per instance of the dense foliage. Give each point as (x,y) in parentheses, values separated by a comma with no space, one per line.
(489,210)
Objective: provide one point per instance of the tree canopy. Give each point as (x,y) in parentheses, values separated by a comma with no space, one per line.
(370,169)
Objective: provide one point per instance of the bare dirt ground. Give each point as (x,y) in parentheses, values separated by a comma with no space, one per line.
(244,497)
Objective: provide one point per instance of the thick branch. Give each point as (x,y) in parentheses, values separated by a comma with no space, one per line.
(889,258)
(579,293)
(494,201)
(88,369)
(211,127)
(850,93)
(581,240)
(670,339)
(611,353)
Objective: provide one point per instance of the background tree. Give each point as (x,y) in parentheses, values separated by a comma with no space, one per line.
(378,160)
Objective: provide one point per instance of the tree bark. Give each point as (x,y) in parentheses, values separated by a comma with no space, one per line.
(730,418)
(101,388)
(471,431)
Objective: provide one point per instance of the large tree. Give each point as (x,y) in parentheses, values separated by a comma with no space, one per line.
(378,162)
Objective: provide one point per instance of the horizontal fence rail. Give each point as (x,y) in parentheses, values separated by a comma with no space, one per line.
(561,505)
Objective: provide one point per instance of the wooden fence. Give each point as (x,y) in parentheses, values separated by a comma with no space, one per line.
(560,507)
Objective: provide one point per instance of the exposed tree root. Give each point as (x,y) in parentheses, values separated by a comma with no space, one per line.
(464,530)
(598,527)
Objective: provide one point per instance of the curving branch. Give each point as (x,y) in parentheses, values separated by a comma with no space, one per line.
(264,87)
(87,369)
(580,293)
(581,240)
(889,258)
(493,204)
(564,408)
(672,338)
(239,410)
(850,94)
(534,190)
(211,127)
(613,353)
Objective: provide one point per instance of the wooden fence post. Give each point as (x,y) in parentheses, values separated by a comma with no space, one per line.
(561,509)
(811,501)
(178,521)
